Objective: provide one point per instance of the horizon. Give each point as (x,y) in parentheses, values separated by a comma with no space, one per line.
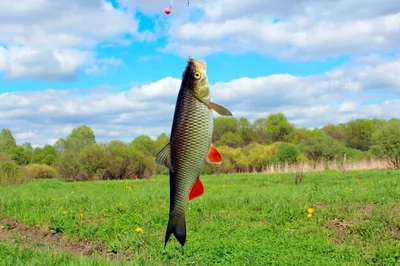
(115,66)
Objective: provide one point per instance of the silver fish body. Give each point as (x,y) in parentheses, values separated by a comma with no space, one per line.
(190,140)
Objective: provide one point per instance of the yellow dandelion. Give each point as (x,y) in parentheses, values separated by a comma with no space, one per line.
(65,212)
(81,216)
(309,215)
(139,229)
(128,187)
(310,210)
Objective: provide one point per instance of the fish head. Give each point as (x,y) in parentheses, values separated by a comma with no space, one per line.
(195,79)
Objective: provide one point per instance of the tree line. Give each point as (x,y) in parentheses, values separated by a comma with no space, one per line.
(245,147)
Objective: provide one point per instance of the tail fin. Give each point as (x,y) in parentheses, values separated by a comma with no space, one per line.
(176,226)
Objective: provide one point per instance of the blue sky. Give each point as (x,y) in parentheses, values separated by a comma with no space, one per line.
(116,66)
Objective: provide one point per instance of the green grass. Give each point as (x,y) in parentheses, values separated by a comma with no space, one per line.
(14,255)
(247,219)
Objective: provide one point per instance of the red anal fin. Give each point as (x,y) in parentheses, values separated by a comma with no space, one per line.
(213,155)
(197,189)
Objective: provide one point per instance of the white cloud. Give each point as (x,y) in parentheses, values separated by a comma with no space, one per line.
(3,59)
(55,39)
(289,29)
(93,70)
(347,107)
(311,101)
(25,62)
(101,65)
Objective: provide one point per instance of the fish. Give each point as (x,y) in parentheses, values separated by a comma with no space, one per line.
(190,144)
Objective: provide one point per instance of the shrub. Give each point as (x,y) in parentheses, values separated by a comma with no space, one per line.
(387,143)
(41,171)
(258,156)
(12,174)
(287,152)
(5,158)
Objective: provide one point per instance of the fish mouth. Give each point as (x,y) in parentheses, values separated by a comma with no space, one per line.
(198,64)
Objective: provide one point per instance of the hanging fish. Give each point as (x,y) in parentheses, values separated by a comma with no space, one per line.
(190,144)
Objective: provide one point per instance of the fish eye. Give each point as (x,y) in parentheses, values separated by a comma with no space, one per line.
(197,75)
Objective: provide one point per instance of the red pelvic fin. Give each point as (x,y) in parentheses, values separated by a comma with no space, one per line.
(213,155)
(197,189)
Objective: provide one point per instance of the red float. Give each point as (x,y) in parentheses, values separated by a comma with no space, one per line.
(167,10)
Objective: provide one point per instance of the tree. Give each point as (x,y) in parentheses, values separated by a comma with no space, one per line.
(231,139)
(318,146)
(162,140)
(300,134)
(92,161)
(246,130)
(79,138)
(223,125)
(49,155)
(84,133)
(68,164)
(358,134)
(60,145)
(260,130)
(23,154)
(279,129)
(287,152)
(27,146)
(387,143)
(144,144)
(335,132)
(378,123)
(46,155)
(20,155)
(7,140)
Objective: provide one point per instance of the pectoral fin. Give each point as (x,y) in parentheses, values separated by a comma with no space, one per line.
(164,157)
(219,109)
(197,189)
(213,155)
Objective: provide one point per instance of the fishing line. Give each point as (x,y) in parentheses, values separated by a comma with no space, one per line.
(187,22)
(168,11)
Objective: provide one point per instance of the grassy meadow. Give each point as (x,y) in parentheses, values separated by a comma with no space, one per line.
(242,219)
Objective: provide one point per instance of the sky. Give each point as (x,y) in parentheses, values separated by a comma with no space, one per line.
(116,65)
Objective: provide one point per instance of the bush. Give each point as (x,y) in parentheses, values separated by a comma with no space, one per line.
(5,158)
(231,161)
(357,155)
(318,146)
(387,143)
(287,153)
(258,156)
(12,174)
(41,171)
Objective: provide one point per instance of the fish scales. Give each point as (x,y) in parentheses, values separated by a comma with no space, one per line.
(190,140)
